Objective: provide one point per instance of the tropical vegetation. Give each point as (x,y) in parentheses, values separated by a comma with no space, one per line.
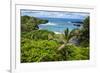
(43,45)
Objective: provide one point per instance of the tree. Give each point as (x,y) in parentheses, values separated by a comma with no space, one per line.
(67,36)
(31,23)
(84,33)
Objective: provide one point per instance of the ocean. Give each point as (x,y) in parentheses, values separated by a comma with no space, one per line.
(58,25)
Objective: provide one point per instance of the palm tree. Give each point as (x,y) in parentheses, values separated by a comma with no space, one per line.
(67,36)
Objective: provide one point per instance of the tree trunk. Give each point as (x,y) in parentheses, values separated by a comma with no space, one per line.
(61,47)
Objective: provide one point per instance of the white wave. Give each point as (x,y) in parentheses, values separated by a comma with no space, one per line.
(49,23)
(57,32)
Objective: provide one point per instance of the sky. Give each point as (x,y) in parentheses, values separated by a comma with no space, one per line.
(52,14)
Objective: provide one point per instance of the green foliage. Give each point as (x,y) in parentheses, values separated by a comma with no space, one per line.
(68,35)
(30,23)
(36,51)
(42,34)
(44,50)
(42,45)
(38,34)
(76,53)
(84,33)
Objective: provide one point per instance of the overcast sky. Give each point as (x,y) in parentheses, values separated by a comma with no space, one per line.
(51,14)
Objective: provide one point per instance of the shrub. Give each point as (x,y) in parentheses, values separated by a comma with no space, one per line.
(77,53)
(38,34)
(37,51)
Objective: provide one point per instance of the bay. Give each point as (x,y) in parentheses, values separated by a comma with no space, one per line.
(58,25)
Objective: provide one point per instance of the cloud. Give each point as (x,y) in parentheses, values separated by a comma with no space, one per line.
(52,14)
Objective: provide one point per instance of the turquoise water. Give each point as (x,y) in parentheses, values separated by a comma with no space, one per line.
(58,25)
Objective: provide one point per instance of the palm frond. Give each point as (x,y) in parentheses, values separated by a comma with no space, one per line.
(66,33)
